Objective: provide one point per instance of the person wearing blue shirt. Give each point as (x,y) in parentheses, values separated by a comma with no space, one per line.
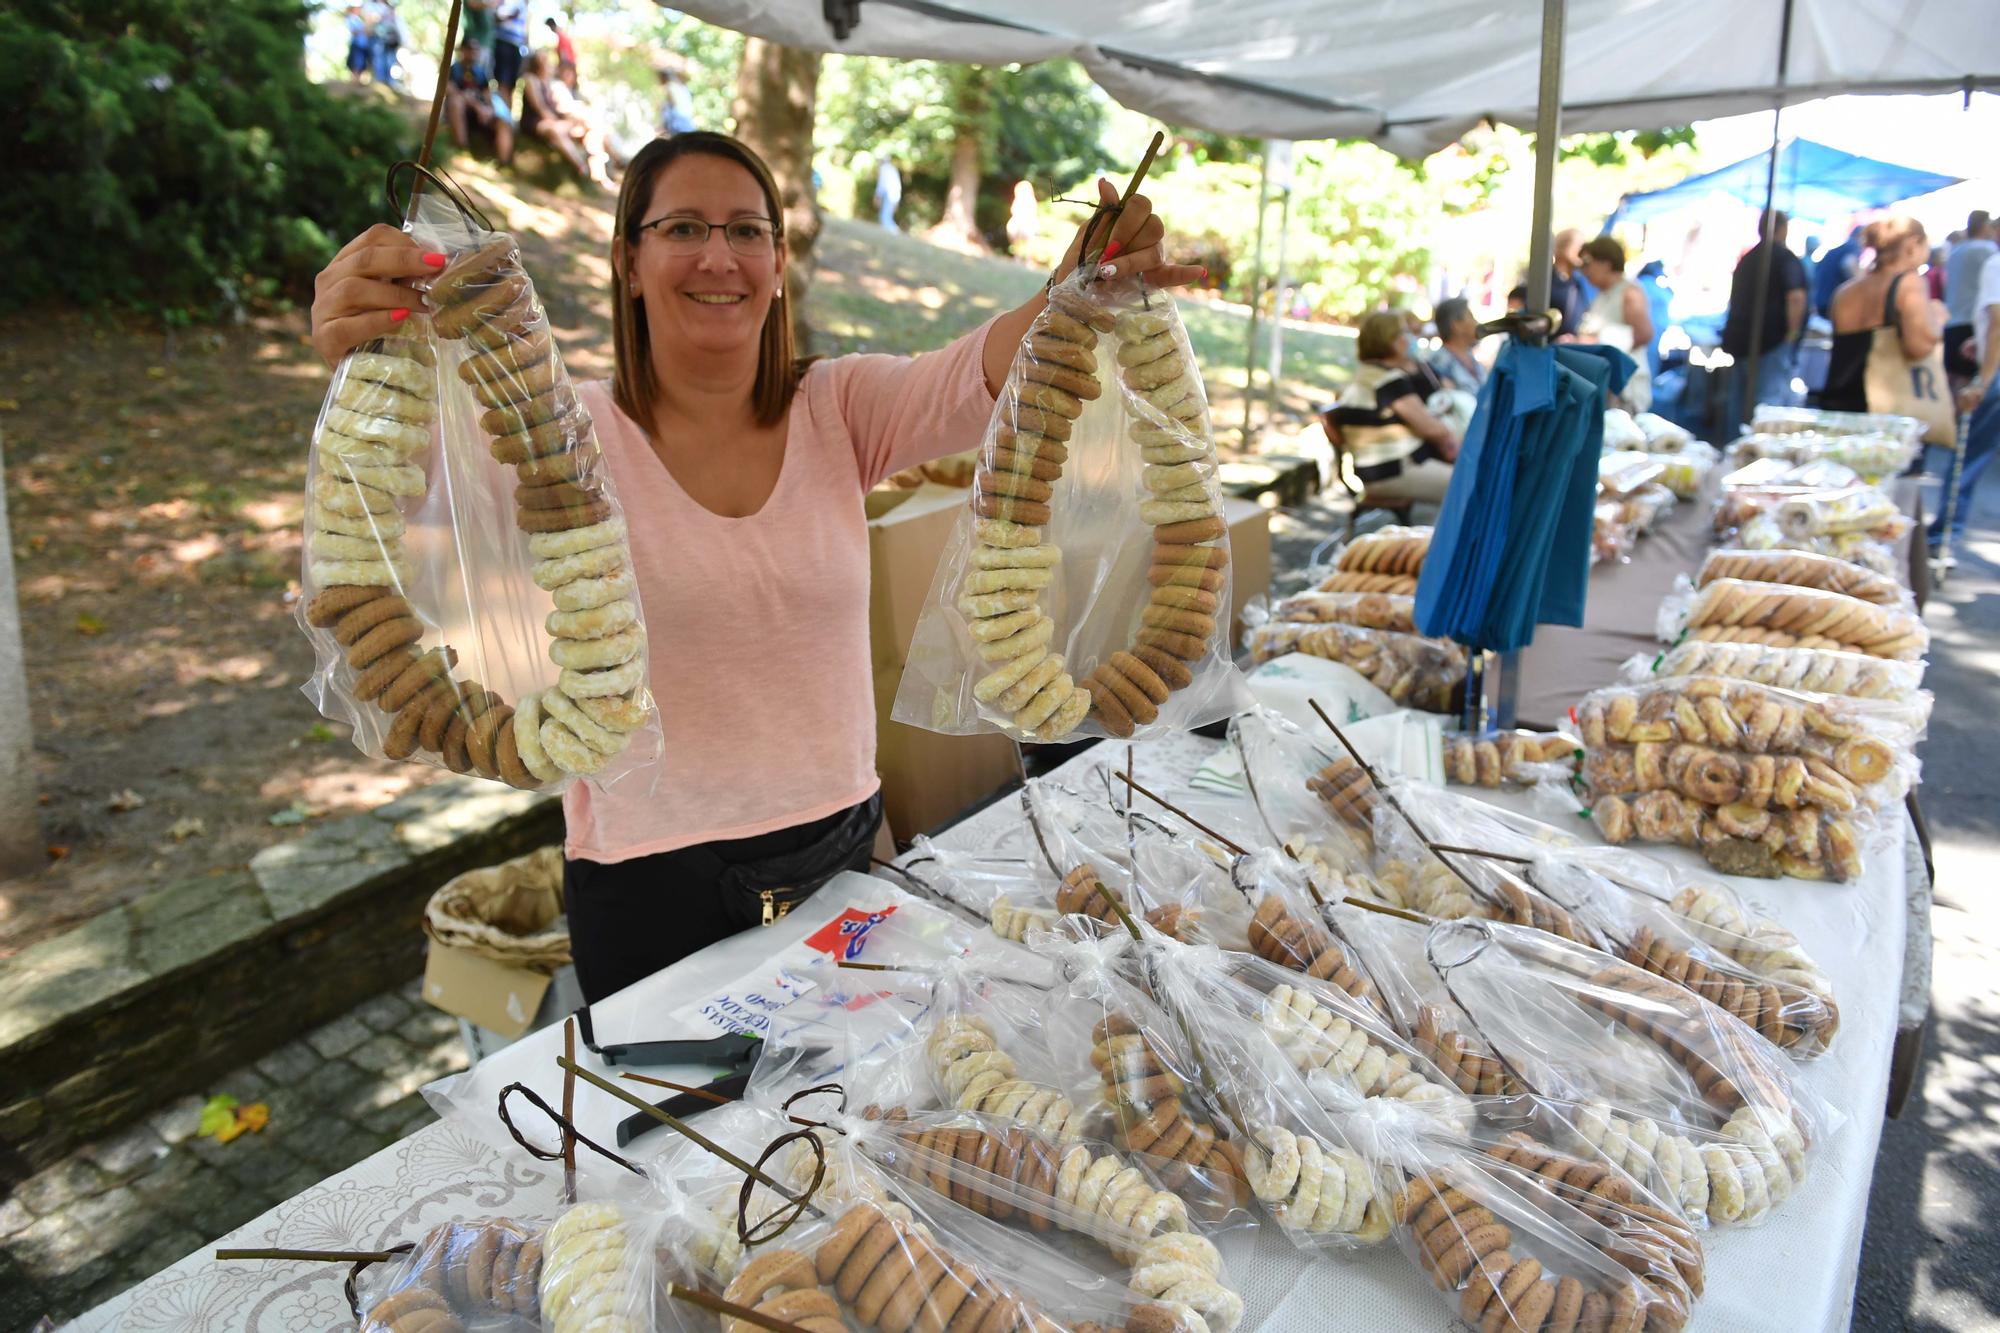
(510,46)
(1569,291)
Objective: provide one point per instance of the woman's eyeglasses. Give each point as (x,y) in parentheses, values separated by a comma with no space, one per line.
(685,235)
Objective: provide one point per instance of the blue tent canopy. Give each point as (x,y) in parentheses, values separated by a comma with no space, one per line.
(1815,182)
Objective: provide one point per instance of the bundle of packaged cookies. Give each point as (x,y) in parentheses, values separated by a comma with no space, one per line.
(1779,615)
(1385,560)
(1495,758)
(1369,610)
(457,496)
(1411,669)
(1812,670)
(1803,569)
(1084,589)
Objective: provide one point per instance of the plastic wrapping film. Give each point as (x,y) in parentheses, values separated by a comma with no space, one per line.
(1055,612)
(1871,455)
(464,547)
(1771,419)
(479,1272)
(1853,509)
(1686,472)
(1781,616)
(1813,670)
(1622,474)
(1496,758)
(1611,536)
(1117,1044)
(1576,1026)
(1645,507)
(1873,550)
(1520,1237)
(1804,569)
(1414,671)
(1392,551)
(1310,1181)
(1322,809)
(1637,909)
(1390,950)
(1661,435)
(1368,610)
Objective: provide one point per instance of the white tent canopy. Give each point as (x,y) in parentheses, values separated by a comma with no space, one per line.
(1414,75)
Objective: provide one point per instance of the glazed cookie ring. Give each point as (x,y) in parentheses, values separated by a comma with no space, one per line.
(566,749)
(591,654)
(599,563)
(528,738)
(622,679)
(613,712)
(575,541)
(560,708)
(594,622)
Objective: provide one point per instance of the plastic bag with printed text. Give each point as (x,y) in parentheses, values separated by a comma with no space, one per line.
(1084,589)
(466,584)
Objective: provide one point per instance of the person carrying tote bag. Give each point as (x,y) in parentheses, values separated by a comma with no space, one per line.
(1887,352)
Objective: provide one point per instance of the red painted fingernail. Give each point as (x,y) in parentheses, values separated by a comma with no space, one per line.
(1111,250)
(398,316)
(435,258)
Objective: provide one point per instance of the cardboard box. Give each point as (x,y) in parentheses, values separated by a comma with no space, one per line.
(907,532)
(506,1001)
(1249,559)
(928,778)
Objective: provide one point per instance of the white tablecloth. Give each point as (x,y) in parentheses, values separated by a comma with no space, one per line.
(1796,1272)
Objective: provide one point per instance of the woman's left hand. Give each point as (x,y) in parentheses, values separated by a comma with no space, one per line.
(1135,245)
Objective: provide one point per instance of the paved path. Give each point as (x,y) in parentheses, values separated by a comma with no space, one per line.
(1931,1260)
(120,1209)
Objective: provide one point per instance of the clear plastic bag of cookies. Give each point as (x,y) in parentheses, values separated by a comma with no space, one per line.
(1827,513)
(1576,1026)
(1628,905)
(1782,616)
(1809,670)
(1085,590)
(1521,1235)
(480,1272)
(1308,1180)
(1113,856)
(466,581)
(1115,1044)
(1394,551)
(1804,569)
(1772,419)
(928,1263)
(1369,610)
(1687,471)
(1286,928)
(1414,671)
(1497,758)
(1313,798)
(1344,1048)
(1868,743)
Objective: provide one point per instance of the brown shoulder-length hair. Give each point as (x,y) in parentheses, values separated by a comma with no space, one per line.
(634,386)
(1379,335)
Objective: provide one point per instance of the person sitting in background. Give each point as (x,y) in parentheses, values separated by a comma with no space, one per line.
(1879,298)
(1618,316)
(588,128)
(1401,450)
(470,99)
(540,118)
(1458,334)
(676,101)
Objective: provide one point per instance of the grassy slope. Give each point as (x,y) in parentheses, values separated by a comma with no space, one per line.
(891,293)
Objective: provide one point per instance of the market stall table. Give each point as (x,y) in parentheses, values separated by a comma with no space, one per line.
(1795,1272)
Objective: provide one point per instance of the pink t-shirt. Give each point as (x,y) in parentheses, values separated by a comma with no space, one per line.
(757,627)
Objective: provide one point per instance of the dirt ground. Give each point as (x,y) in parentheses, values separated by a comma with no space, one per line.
(154,481)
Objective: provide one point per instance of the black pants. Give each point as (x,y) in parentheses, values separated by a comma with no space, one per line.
(1960,358)
(629,919)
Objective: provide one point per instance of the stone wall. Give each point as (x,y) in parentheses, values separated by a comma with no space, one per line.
(148,1002)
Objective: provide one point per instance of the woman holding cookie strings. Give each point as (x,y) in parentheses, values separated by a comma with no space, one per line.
(741,470)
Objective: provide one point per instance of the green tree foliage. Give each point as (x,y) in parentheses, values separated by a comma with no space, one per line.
(171,154)
(1615,149)
(1040,122)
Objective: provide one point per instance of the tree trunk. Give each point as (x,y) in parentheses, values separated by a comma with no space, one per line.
(775,88)
(959,227)
(20,817)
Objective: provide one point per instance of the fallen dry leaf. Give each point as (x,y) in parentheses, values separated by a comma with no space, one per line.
(122,801)
(57,851)
(87,623)
(187,827)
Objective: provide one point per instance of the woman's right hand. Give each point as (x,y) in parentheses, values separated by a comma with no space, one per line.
(365,291)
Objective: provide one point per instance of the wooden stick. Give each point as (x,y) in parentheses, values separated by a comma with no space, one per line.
(569,1111)
(1187,818)
(312,1256)
(437,106)
(710,1301)
(1482,853)
(671,1122)
(1111,899)
(702,1093)
(868,967)
(1387,910)
(1394,804)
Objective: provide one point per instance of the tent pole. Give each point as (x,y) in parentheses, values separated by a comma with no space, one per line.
(1256,284)
(1548,130)
(1275,373)
(1760,299)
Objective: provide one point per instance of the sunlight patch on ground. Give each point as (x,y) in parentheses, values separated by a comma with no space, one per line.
(272,514)
(196,549)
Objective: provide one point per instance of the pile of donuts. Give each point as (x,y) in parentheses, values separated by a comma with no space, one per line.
(381,415)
